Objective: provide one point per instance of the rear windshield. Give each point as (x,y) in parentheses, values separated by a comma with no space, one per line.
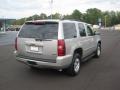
(41,30)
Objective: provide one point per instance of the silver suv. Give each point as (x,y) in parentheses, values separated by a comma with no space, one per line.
(57,44)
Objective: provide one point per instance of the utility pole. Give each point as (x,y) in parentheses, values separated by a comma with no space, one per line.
(25,19)
(51,6)
(4,24)
(105,20)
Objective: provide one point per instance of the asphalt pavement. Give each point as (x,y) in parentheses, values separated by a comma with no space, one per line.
(95,74)
(8,37)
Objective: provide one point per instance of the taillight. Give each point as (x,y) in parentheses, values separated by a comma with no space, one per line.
(61,48)
(16,44)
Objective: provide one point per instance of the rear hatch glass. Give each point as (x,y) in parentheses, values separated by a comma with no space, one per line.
(39,30)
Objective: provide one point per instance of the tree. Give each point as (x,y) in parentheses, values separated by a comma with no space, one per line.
(118,17)
(19,21)
(92,15)
(67,16)
(43,16)
(113,18)
(56,16)
(107,17)
(77,15)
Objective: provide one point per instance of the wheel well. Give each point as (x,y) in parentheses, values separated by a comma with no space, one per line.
(79,51)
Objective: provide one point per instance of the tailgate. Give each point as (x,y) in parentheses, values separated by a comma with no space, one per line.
(38,41)
(37,50)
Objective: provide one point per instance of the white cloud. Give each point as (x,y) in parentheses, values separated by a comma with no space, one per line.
(24,8)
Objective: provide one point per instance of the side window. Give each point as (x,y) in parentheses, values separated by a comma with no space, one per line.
(89,31)
(69,30)
(82,30)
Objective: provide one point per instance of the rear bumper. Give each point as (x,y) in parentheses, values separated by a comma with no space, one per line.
(61,62)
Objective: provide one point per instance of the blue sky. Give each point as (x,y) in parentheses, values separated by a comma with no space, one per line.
(25,8)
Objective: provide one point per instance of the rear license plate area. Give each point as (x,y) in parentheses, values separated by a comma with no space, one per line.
(34,48)
(31,62)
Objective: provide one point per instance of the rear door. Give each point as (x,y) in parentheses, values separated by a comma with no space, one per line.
(38,41)
(70,36)
(83,39)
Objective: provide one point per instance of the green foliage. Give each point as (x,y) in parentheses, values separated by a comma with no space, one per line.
(56,16)
(77,15)
(43,16)
(19,21)
(91,16)
(67,17)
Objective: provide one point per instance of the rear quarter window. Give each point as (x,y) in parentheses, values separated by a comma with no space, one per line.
(82,30)
(69,30)
(39,30)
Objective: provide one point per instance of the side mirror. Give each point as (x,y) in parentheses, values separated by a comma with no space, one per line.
(96,33)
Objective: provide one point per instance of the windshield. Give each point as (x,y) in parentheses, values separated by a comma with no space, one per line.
(46,30)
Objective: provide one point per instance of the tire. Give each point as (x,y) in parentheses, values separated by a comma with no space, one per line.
(74,68)
(98,51)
